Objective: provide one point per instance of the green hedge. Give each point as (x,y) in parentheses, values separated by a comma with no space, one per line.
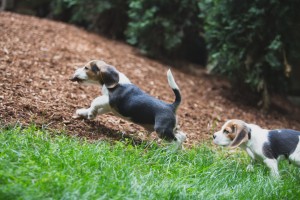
(102,16)
(252,42)
(167,28)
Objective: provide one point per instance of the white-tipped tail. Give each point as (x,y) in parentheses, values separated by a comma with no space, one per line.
(175,89)
(171,80)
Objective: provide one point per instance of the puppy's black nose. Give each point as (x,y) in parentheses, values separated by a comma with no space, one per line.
(214,136)
(75,79)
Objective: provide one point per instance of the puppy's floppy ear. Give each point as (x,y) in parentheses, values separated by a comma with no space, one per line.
(110,76)
(241,134)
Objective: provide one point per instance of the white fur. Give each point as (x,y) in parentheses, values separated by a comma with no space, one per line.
(273,165)
(221,139)
(171,80)
(181,137)
(123,79)
(295,156)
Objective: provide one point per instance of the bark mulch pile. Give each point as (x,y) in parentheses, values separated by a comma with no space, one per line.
(38,56)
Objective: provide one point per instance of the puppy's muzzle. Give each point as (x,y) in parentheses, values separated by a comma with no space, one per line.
(76,79)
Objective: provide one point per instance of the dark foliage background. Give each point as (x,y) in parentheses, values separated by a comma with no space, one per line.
(254,43)
(101,16)
(167,28)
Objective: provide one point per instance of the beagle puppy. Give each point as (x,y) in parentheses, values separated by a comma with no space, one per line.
(261,144)
(126,100)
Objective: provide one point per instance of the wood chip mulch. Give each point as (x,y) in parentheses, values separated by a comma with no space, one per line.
(38,56)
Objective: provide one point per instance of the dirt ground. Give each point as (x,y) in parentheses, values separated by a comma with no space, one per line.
(38,56)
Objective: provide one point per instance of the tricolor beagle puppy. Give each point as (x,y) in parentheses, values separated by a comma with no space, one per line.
(261,144)
(126,100)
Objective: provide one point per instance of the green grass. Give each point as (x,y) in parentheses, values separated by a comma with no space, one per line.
(35,164)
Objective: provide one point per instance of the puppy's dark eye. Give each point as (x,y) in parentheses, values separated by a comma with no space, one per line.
(86,68)
(225,132)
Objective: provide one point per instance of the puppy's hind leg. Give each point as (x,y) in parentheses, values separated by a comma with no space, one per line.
(168,134)
(295,156)
(181,137)
(165,133)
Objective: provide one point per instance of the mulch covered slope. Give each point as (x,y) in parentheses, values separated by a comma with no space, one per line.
(38,56)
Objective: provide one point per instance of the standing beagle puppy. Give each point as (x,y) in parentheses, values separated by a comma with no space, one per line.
(126,100)
(261,144)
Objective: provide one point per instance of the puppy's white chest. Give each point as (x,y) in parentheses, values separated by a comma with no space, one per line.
(104,90)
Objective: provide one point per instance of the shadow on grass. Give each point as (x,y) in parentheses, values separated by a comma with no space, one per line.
(96,130)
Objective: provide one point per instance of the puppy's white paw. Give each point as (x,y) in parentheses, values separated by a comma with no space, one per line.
(275,174)
(82,112)
(180,136)
(250,168)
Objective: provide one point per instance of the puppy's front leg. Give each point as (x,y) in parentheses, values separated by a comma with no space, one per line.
(273,165)
(250,165)
(100,105)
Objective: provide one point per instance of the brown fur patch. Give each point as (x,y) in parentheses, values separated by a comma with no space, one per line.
(93,76)
(230,129)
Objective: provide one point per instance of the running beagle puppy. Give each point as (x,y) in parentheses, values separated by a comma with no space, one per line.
(126,100)
(261,144)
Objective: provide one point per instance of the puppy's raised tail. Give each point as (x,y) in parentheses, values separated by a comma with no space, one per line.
(175,89)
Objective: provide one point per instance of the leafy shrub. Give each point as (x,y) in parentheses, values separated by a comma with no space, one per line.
(108,17)
(252,42)
(166,28)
